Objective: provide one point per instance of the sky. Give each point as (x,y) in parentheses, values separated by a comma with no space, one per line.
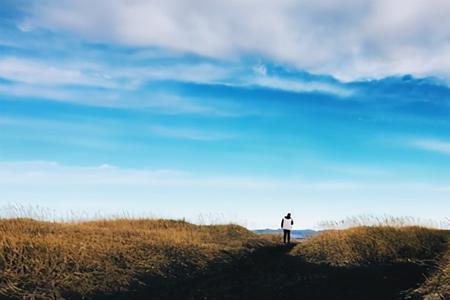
(226,111)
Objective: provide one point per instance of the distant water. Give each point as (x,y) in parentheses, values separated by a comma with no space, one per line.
(298,234)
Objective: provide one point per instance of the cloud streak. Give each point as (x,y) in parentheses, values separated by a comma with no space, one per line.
(41,73)
(432,145)
(176,193)
(279,83)
(45,73)
(190,133)
(48,174)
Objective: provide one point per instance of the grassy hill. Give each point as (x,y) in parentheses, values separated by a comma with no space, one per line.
(167,259)
(42,260)
(385,245)
(437,287)
(368,245)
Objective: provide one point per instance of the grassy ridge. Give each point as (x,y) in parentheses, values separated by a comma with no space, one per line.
(368,245)
(437,287)
(42,260)
(49,260)
(377,245)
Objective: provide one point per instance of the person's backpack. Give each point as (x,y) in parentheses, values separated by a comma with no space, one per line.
(287,224)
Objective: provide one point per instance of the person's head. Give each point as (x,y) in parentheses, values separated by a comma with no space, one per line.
(288,215)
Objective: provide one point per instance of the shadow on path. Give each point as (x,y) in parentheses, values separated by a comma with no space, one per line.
(270,273)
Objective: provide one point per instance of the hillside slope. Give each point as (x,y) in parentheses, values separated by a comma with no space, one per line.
(373,245)
(437,287)
(41,260)
(166,259)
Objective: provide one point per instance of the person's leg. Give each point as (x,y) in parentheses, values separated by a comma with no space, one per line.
(284,236)
(289,236)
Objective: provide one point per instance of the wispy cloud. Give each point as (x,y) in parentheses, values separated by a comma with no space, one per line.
(43,73)
(44,173)
(52,173)
(358,170)
(190,133)
(71,71)
(280,83)
(47,174)
(54,93)
(178,193)
(108,85)
(70,131)
(166,102)
(433,145)
(48,73)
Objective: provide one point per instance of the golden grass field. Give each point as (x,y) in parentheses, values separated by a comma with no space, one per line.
(43,260)
(368,245)
(375,245)
(50,260)
(437,287)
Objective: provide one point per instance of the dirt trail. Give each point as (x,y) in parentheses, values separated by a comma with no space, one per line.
(270,273)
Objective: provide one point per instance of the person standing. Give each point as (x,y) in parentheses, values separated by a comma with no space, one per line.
(286,225)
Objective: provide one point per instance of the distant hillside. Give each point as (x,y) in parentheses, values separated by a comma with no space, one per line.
(298,234)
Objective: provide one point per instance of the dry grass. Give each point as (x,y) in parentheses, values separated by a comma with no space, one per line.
(368,245)
(274,238)
(437,287)
(43,260)
(382,221)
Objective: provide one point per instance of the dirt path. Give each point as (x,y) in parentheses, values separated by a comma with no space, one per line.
(271,273)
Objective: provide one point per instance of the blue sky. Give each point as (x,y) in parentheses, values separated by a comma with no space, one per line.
(226,111)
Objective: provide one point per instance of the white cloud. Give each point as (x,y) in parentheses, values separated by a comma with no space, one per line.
(349,39)
(433,145)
